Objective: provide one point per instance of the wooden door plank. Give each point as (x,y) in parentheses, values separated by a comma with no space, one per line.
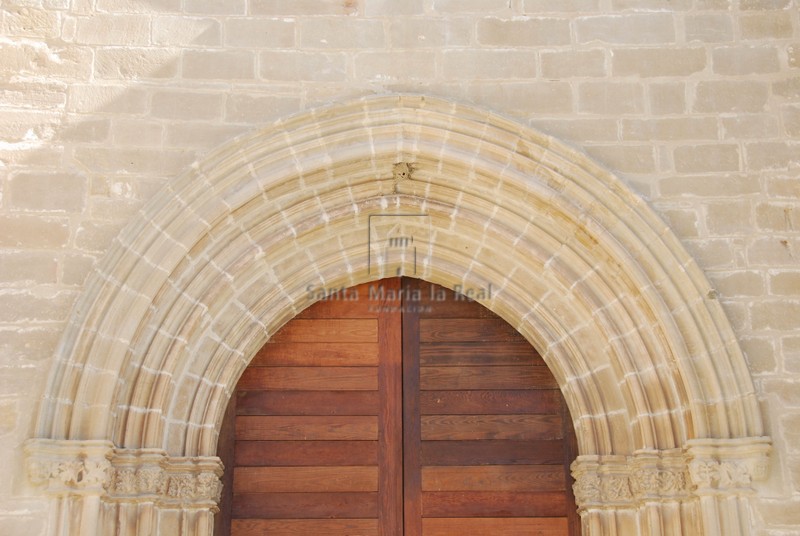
(412,434)
(493,504)
(306,505)
(327,330)
(498,402)
(317,354)
(305,479)
(310,378)
(305,453)
(526,526)
(502,377)
(322,428)
(273,402)
(491,452)
(472,427)
(304,527)
(390,383)
(479,353)
(466,330)
(493,477)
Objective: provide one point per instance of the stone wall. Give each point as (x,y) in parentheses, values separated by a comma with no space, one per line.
(695,103)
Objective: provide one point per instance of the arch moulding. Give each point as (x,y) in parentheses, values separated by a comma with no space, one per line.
(670,436)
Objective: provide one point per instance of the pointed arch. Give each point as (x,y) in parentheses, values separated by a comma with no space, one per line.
(225,255)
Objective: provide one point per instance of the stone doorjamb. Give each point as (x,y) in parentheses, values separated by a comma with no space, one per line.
(669,431)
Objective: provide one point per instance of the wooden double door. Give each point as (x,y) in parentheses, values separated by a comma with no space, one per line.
(397,408)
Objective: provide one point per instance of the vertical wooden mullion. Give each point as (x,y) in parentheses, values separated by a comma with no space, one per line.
(390,441)
(412,435)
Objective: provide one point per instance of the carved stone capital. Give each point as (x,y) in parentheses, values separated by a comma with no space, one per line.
(728,466)
(603,481)
(151,475)
(69,467)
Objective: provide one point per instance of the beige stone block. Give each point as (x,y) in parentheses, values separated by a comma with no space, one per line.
(47,192)
(578,63)
(128,63)
(216,7)
(744,126)
(772,155)
(766,25)
(382,8)
(85,130)
(783,314)
(760,354)
(302,66)
(559,6)
(258,109)
(793,56)
(579,130)
(764,4)
(39,305)
(523,33)
(488,64)
(98,97)
(426,32)
(36,94)
(29,21)
(731,217)
(218,64)
(610,98)
(774,216)
(194,135)
(727,185)
(187,105)
(791,353)
(137,133)
(116,29)
(96,236)
(523,97)
(667,98)
(628,28)
(303,7)
(650,62)
(683,222)
(724,96)
(21,267)
(709,27)
(783,187)
(706,157)
(341,33)
(469,6)
(678,128)
(625,158)
(139,6)
(738,284)
(28,343)
(774,251)
(45,60)
(724,5)
(392,66)
(650,5)
(28,231)
(20,125)
(745,60)
(785,283)
(790,115)
(710,253)
(255,32)
(788,88)
(75,268)
(183,31)
(133,160)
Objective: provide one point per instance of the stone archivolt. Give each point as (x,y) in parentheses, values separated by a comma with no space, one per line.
(653,375)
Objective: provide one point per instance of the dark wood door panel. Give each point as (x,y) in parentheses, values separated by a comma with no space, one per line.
(409,412)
